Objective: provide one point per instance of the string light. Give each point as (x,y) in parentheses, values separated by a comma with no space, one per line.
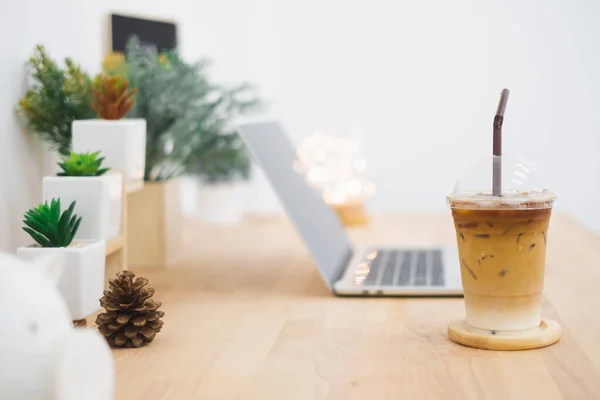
(334,166)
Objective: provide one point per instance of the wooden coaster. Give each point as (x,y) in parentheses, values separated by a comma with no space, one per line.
(548,333)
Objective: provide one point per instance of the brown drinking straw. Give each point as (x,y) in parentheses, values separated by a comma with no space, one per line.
(497,151)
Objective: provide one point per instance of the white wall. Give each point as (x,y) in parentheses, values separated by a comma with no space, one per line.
(421,78)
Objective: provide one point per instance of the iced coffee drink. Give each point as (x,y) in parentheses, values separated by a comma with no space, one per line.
(501,211)
(502,254)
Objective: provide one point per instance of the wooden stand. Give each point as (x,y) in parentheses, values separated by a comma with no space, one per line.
(154,232)
(548,333)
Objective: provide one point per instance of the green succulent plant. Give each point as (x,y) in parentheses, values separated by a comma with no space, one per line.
(82,164)
(48,227)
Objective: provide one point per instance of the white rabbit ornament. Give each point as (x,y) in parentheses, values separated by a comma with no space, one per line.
(41,355)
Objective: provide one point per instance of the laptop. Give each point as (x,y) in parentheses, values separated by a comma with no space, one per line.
(347,270)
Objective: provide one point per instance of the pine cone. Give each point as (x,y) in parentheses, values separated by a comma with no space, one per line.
(132,319)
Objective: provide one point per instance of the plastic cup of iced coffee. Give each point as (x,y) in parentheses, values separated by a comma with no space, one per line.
(502,245)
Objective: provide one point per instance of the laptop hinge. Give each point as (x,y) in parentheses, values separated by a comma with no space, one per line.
(342,268)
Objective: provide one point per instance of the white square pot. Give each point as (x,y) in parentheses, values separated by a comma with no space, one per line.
(221,203)
(98,200)
(82,282)
(122,143)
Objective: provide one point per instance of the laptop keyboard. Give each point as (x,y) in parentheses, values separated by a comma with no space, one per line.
(403,268)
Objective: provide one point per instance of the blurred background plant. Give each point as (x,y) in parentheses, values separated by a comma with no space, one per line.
(215,152)
(219,158)
(57,98)
(167,90)
(187,116)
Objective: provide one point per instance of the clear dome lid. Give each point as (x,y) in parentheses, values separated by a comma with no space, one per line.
(521,185)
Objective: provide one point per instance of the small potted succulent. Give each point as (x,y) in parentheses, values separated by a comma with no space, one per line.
(98,194)
(82,282)
(121,141)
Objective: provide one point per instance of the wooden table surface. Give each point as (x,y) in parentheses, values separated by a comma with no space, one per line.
(248,317)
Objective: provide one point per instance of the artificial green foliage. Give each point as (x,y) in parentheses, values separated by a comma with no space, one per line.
(167,92)
(48,227)
(58,97)
(184,111)
(219,158)
(216,152)
(82,164)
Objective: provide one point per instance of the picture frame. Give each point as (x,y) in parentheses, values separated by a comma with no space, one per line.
(158,35)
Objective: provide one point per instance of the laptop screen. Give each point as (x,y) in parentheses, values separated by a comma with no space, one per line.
(316,222)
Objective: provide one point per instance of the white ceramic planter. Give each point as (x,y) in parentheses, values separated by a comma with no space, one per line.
(122,143)
(188,188)
(221,203)
(98,202)
(82,282)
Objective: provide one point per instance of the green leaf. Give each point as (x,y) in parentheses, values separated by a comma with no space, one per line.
(63,224)
(41,223)
(35,225)
(74,230)
(55,211)
(38,237)
(52,224)
(32,215)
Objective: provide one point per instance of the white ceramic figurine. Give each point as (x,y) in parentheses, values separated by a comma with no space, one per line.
(41,355)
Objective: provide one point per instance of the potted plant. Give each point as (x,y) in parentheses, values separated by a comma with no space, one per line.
(121,141)
(177,100)
(56,98)
(220,165)
(167,91)
(171,97)
(98,194)
(82,282)
(216,156)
